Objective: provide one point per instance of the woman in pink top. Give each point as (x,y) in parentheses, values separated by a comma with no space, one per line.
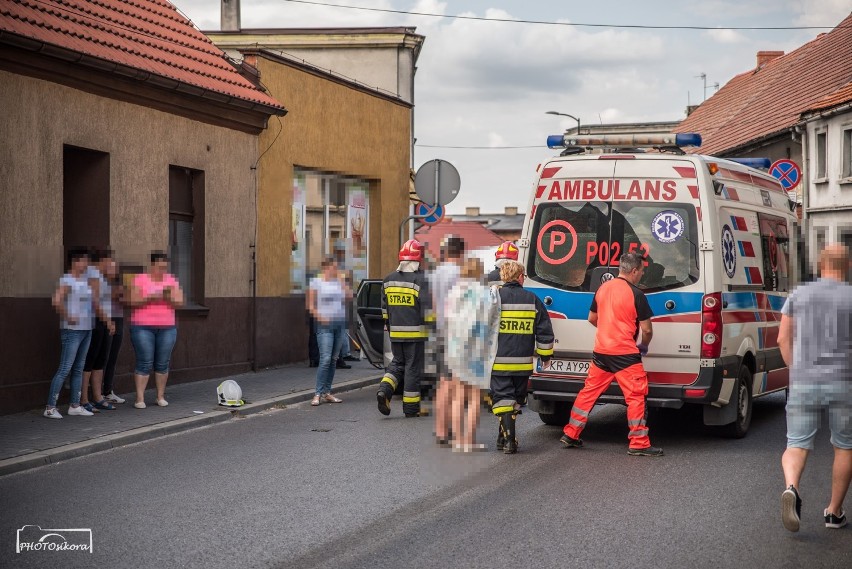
(153,297)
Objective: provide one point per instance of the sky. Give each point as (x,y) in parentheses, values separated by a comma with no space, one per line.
(489,84)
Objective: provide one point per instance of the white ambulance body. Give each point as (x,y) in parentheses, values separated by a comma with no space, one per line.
(719,264)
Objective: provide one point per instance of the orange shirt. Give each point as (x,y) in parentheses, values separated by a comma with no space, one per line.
(620,307)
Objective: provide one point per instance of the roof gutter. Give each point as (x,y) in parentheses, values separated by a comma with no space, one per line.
(127,72)
(807,117)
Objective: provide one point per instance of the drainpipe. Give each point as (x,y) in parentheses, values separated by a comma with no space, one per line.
(253,248)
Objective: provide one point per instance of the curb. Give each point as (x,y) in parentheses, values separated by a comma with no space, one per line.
(116,440)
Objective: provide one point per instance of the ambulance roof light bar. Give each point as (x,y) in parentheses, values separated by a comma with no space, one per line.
(679,140)
(758,163)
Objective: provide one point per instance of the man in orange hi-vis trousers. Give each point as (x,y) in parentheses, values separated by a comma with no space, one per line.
(619,311)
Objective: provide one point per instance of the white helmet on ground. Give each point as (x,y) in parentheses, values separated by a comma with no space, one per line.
(230,394)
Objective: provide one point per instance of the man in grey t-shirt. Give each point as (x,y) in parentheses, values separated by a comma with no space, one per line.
(815,338)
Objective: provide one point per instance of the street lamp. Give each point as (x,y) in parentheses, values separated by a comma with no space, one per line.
(566,115)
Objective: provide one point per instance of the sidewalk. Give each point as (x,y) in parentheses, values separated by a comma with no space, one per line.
(29,440)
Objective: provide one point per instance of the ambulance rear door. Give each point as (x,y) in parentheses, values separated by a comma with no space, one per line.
(657,211)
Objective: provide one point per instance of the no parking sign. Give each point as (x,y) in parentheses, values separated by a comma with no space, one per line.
(787,172)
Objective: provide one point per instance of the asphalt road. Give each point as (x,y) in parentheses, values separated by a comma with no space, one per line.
(341,486)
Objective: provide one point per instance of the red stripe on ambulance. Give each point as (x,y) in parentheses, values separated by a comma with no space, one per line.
(548,173)
(777,379)
(692,318)
(685,171)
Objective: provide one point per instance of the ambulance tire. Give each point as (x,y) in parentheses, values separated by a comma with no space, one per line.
(743,400)
(559,417)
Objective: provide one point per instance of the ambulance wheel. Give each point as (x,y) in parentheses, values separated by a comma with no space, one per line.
(743,401)
(559,417)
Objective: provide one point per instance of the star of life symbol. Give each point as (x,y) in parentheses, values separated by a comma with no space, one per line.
(729,251)
(667,226)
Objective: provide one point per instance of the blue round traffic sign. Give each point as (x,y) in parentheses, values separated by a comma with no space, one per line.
(435,217)
(787,172)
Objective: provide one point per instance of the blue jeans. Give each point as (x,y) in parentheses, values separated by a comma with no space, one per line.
(329,339)
(75,346)
(153,346)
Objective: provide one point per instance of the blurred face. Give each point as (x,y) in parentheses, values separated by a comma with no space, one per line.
(110,268)
(160,267)
(79,264)
(329,270)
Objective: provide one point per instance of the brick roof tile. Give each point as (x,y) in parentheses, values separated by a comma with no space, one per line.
(475,236)
(150,36)
(770,99)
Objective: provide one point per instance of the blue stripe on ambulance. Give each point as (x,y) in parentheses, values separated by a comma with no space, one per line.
(575,305)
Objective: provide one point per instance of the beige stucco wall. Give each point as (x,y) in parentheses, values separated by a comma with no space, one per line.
(333,128)
(39,117)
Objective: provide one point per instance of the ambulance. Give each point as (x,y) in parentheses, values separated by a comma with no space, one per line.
(715,238)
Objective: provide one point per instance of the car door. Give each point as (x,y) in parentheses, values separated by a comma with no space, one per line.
(369,324)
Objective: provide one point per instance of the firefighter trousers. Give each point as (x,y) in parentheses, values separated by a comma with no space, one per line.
(633,382)
(406,368)
(506,390)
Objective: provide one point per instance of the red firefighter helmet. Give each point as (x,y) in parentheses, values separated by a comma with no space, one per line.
(507,250)
(412,250)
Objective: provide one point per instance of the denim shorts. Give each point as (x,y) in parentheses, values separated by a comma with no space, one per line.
(805,408)
(153,346)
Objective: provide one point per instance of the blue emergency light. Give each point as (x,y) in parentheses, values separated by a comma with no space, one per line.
(759,163)
(638,140)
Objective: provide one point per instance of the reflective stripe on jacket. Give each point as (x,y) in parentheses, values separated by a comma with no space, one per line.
(407,306)
(525,330)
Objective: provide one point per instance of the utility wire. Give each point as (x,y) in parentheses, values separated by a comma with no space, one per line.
(569,24)
(539,146)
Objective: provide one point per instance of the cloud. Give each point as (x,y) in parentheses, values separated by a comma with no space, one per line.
(504,60)
(821,12)
(722,35)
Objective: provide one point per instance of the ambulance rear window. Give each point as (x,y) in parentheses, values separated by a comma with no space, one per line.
(572,239)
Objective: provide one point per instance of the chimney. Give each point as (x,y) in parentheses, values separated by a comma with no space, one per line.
(511,210)
(471,211)
(764,57)
(230,16)
(690,109)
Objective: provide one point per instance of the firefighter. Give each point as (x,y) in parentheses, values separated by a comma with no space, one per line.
(407,309)
(619,311)
(506,251)
(525,331)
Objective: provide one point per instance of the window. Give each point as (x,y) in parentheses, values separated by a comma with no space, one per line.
(574,243)
(775,243)
(186,231)
(846,239)
(328,209)
(820,155)
(846,167)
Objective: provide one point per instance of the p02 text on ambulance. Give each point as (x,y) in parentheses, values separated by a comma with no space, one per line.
(715,236)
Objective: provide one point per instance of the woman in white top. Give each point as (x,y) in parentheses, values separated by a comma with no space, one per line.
(327,296)
(73,302)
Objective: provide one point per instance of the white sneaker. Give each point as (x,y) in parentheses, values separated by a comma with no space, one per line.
(113,398)
(80,410)
(162,403)
(139,404)
(52,413)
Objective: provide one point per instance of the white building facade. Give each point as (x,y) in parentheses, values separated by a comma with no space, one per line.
(828,172)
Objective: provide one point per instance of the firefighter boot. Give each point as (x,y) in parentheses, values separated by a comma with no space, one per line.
(507,422)
(383,398)
(501,436)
